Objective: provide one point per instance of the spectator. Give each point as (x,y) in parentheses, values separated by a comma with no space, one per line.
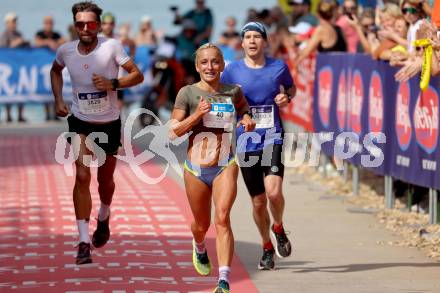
(327,37)
(203,20)
(108,24)
(279,19)
(48,38)
(252,15)
(127,42)
(400,31)
(11,38)
(186,48)
(265,18)
(230,33)
(414,15)
(301,12)
(388,15)
(72,32)
(349,11)
(146,35)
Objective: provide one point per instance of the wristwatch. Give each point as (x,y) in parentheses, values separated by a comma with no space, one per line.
(115,83)
(249,113)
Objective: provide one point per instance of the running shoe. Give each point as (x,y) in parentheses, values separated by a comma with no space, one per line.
(283,247)
(201,262)
(266,261)
(83,256)
(102,233)
(222,287)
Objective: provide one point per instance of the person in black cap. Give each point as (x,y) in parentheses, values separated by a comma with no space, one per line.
(301,12)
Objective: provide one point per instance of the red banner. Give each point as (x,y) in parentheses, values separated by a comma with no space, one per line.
(300,111)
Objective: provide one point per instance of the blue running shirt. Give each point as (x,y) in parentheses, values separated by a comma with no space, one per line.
(260,87)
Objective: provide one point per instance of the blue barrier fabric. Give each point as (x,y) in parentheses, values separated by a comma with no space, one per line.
(25,75)
(372,118)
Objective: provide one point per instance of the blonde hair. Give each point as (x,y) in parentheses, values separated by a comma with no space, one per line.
(391,9)
(208,46)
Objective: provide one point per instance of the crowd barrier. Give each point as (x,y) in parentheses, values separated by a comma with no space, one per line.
(25,75)
(358,96)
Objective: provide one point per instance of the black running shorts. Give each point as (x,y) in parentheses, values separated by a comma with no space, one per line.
(112,129)
(270,164)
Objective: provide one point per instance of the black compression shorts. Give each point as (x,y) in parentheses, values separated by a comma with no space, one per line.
(268,163)
(112,129)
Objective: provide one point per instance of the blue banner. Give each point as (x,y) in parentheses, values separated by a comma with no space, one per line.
(372,118)
(25,75)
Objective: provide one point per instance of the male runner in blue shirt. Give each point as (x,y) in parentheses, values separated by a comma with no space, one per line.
(267,86)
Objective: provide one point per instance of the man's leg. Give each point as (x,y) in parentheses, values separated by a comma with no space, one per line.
(106,189)
(273,185)
(261,216)
(82,201)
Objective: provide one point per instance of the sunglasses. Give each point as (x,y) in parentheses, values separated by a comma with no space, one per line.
(91,25)
(410,10)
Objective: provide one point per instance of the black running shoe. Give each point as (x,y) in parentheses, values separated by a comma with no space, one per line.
(266,262)
(283,247)
(222,287)
(83,256)
(102,233)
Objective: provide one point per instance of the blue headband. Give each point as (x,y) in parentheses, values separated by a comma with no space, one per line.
(256,27)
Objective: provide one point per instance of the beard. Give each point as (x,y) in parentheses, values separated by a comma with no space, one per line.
(87,39)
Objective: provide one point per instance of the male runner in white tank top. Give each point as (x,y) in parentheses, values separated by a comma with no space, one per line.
(92,63)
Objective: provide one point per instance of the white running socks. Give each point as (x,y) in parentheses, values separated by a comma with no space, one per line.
(83,229)
(223,273)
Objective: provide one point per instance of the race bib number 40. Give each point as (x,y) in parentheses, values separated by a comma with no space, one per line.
(220,116)
(263,116)
(93,103)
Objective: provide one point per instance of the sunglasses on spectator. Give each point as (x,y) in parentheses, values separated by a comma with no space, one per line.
(91,25)
(410,10)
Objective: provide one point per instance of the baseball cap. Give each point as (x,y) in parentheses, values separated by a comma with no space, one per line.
(10,16)
(300,28)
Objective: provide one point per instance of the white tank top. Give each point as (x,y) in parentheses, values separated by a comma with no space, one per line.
(88,103)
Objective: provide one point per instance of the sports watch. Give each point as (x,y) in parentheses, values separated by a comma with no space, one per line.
(115,83)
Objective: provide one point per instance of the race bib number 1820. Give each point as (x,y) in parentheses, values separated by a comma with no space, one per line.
(263,116)
(93,103)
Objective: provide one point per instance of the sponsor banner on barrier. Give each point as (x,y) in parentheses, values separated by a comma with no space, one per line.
(378,117)
(25,75)
(300,110)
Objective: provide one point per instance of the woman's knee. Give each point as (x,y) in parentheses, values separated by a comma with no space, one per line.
(222,218)
(199,227)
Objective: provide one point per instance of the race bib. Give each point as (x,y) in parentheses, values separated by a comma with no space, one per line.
(263,116)
(93,103)
(220,116)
